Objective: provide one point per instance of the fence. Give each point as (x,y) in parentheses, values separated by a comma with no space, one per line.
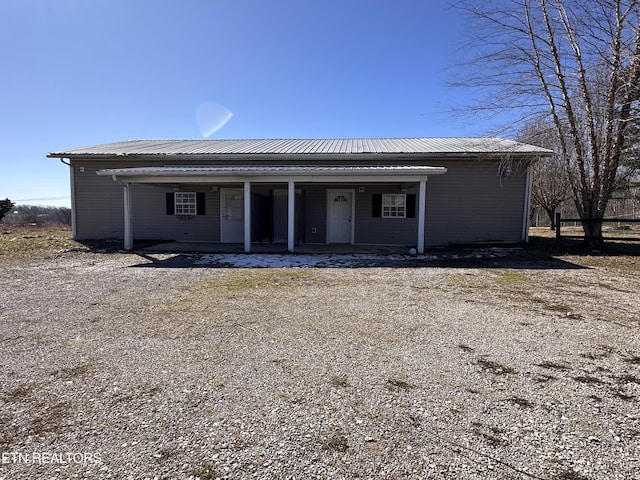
(560,221)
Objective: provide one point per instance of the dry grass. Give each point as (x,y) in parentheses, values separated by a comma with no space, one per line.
(337,441)
(620,252)
(510,278)
(206,472)
(249,282)
(554,366)
(609,231)
(519,401)
(339,381)
(399,384)
(20,393)
(30,243)
(494,367)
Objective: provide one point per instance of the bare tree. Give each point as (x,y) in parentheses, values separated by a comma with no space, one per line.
(578,62)
(550,186)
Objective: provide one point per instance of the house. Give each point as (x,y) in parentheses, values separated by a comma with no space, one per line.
(412,192)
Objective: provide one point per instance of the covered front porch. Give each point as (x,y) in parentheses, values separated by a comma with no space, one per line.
(247,178)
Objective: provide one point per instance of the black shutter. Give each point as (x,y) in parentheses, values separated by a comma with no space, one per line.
(411,205)
(200,201)
(171,204)
(376,205)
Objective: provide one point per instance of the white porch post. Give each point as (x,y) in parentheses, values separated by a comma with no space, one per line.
(291,215)
(421,214)
(527,206)
(247,216)
(128,230)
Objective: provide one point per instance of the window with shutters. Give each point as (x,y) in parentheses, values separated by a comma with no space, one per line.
(185,203)
(394,205)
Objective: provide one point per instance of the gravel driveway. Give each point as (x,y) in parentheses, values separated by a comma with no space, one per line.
(162,366)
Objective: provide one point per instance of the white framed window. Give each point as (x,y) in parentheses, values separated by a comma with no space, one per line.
(185,203)
(394,205)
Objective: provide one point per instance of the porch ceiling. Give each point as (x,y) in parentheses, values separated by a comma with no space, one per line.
(271,174)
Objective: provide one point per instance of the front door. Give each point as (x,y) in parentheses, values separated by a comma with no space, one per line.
(231,215)
(339,216)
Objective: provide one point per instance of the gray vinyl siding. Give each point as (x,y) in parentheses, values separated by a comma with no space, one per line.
(151,222)
(99,208)
(99,204)
(383,231)
(315,198)
(368,230)
(468,204)
(471,203)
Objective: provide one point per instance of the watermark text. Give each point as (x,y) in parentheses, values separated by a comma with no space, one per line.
(50,458)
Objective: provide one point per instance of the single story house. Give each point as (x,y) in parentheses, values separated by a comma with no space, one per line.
(411,192)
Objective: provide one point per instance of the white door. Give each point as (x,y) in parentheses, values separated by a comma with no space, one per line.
(339,216)
(231,215)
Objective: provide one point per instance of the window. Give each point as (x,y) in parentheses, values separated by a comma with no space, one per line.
(409,205)
(185,203)
(394,205)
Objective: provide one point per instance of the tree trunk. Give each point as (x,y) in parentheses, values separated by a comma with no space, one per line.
(593,233)
(552,217)
(592,210)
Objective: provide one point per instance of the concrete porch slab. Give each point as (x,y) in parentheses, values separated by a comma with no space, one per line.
(195,247)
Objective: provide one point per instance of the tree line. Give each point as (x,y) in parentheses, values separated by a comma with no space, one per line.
(21,215)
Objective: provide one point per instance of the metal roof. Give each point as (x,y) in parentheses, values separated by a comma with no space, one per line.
(299,147)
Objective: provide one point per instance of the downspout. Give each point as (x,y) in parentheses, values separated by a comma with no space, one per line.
(527,206)
(72,183)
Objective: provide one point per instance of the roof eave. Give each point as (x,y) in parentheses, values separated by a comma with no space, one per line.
(276,175)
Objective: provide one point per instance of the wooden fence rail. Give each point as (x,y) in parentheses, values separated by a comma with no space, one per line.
(560,221)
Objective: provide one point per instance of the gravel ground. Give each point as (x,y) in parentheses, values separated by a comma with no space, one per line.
(161,366)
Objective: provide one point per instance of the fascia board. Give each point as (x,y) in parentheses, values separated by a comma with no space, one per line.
(273,178)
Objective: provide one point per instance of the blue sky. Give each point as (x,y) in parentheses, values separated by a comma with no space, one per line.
(85,72)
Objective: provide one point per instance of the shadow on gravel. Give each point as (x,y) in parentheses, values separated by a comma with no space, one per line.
(540,253)
(574,245)
(516,259)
